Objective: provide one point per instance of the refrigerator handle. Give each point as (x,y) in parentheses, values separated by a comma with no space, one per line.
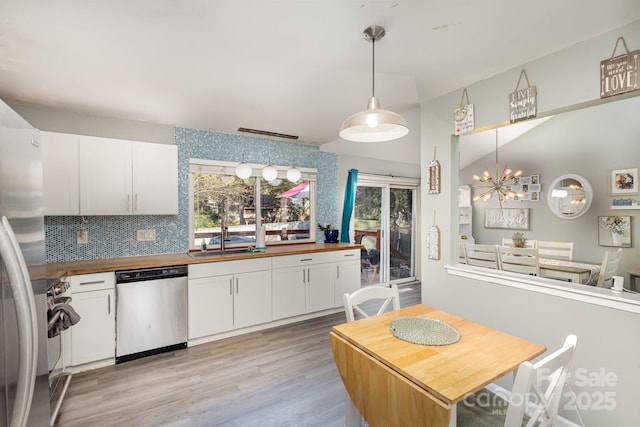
(26,318)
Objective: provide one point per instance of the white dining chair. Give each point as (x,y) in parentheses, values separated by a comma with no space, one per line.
(558,250)
(609,268)
(534,398)
(481,255)
(371,300)
(519,260)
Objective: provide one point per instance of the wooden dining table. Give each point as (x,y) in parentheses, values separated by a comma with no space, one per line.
(583,272)
(393,382)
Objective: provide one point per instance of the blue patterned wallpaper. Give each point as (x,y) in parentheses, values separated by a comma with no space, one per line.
(115,236)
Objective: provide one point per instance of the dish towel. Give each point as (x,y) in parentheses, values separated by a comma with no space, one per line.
(67,318)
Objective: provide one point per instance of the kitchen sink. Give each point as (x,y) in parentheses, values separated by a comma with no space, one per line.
(214,253)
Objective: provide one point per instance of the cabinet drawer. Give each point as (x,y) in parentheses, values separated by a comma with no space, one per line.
(92,282)
(346,255)
(219,268)
(302,260)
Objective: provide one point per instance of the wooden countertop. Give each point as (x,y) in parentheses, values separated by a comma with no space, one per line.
(58,270)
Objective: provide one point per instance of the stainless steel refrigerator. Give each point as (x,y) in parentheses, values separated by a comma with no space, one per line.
(24,383)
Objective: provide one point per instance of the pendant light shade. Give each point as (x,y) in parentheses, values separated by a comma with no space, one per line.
(243,171)
(294,174)
(269,173)
(374,124)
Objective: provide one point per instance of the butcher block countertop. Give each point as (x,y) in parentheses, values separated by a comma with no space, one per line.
(61,269)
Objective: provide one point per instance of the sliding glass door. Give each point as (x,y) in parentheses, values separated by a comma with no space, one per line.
(384,223)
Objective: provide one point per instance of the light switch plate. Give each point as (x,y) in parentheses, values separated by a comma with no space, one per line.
(146,235)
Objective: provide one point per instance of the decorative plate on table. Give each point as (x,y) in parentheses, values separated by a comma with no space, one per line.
(424,330)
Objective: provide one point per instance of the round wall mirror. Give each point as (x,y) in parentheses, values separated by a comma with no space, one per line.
(570,196)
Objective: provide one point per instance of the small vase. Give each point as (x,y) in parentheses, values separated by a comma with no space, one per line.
(617,239)
(331,236)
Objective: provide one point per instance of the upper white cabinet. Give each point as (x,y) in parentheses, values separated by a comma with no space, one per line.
(60,174)
(88,175)
(120,177)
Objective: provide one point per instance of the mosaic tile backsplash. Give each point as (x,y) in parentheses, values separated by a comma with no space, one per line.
(115,236)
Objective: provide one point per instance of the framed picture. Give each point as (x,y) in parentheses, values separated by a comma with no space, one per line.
(623,181)
(510,218)
(614,231)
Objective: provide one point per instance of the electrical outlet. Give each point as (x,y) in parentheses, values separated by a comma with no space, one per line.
(82,237)
(146,235)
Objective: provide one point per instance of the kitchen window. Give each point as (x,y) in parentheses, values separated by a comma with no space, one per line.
(219,200)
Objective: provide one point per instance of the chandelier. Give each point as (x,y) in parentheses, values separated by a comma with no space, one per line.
(499,184)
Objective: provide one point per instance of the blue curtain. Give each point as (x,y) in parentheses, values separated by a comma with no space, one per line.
(349,201)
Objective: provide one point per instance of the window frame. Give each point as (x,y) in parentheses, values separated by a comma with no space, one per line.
(196,165)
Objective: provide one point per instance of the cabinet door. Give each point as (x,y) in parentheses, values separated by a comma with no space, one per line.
(347,280)
(105,176)
(288,292)
(319,287)
(93,337)
(155,179)
(60,173)
(252,298)
(210,305)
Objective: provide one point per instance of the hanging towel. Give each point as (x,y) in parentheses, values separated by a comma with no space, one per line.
(67,318)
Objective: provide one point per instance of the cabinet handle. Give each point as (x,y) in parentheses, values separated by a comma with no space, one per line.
(306,259)
(308,275)
(135,203)
(128,202)
(95,282)
(236,285)
(349,255)
(338,267)
(303,277)
(230,286)
(109,304)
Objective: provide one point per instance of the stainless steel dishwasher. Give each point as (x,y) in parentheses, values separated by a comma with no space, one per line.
(151,311)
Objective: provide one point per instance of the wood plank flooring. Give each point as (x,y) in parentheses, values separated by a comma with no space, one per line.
(283,376)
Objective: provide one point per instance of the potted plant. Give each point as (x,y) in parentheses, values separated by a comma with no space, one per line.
(330,233)
(519,241)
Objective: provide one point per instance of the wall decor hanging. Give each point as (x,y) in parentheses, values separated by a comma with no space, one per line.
(623,181)
(433,240)
(523,103)
(463,119)
(527,188)
(614,231)
(508,218)
(619,74)
(433,175)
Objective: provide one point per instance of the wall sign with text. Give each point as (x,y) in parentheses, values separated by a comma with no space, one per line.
(523,103)
(619,74)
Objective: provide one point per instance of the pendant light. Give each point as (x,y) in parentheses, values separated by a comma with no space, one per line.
(243,170)
(269,173)
(293,173)
(374,124)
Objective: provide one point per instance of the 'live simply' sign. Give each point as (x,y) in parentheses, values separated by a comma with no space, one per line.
(523,103)
(619,74)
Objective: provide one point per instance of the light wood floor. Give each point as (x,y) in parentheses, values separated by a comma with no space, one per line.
(283,376)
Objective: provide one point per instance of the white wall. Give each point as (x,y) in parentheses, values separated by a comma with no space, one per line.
(608,338)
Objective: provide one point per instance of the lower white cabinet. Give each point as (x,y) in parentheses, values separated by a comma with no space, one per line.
(228,295)
(302,284)
(93,338)
(347,274)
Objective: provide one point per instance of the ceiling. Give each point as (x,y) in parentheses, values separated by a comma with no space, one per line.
(292,66)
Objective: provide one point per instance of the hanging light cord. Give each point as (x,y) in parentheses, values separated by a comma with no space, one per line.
(373,66)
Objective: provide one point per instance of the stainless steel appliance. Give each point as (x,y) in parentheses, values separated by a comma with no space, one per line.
(151,311)
(24,382)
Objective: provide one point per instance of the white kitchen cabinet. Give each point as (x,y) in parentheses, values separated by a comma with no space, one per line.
(93,338)
(228,295)
(119,177)
(60,173)
(302,284)
(347,274)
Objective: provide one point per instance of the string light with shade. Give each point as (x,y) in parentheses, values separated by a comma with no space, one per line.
(499,184)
